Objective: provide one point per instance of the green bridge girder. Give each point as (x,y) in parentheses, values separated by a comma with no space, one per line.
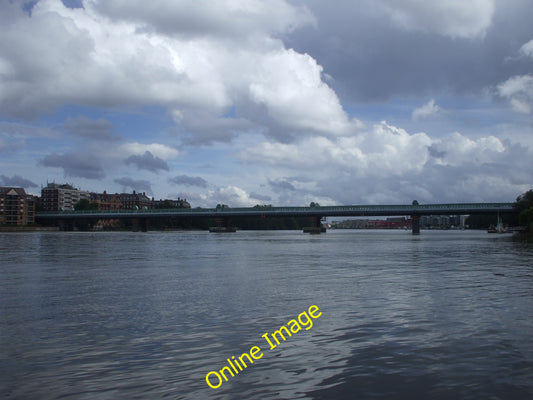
(325,211)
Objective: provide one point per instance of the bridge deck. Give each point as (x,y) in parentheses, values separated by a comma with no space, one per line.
(327,211)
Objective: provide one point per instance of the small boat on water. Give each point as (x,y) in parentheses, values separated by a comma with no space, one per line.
(497,229)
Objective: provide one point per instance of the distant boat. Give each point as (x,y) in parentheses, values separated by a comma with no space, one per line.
(497,229)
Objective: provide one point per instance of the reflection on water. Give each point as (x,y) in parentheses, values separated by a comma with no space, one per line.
(130,315)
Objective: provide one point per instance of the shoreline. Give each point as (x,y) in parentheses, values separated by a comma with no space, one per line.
(7,229)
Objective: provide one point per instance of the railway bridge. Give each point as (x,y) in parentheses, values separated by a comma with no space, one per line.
(140,218)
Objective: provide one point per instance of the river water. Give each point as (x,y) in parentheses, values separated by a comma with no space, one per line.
(443,315)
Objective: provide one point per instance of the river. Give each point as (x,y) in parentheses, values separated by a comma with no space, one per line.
(118,315)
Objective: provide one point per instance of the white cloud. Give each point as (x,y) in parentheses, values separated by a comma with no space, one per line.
(156,149)
(429,109)
(232,196)
(85,60)
(289,84)
(519,91)
(457,150)
(385,148)
(388,164)
(527,49)
(223,71)
(454,18)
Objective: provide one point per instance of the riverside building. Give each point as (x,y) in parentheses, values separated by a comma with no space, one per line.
(55,197)
(16,207)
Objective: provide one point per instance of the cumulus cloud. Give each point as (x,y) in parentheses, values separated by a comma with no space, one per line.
(383,148)
(86,128)
(138,185)
(188,181)
(232,196)
(519,91)
(17,181)
(147,161)
(80,165)
(527,49)
(285,82)
(388,164)
(429,109)
(296,96)
(191,68)
(156,149)
(457,150)
(519,88)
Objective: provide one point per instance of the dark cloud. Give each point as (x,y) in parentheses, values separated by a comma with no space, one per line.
(21,130)
(189,181)
(16,180)
(75,165)
(148,162)
(73,3)
(86,128)
(281,185)
(435,152)
(139,185)
(261,197)
(372,59)
(220,19)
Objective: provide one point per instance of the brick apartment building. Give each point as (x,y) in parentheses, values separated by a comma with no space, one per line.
(16,207)
(135,201)
(106,201)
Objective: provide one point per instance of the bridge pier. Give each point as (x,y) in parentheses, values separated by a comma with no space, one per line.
(139,224)
(316,226)
(222,226)
(416,224)
(66,225)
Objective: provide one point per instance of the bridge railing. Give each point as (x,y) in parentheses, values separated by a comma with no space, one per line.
(328,210)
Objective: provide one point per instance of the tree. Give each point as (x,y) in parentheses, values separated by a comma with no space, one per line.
(524,201)
(524,206)
(166,205)
(85,204)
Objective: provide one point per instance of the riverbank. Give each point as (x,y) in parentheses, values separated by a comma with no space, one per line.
(29,229)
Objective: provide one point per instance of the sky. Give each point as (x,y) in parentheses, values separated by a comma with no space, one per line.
(281,102)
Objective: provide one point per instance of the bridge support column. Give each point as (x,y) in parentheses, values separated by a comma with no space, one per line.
(416,224)
(222,226)
(66,225)
(316,226)
(139,224)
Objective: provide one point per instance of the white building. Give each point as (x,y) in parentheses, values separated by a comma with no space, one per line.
(55,197)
